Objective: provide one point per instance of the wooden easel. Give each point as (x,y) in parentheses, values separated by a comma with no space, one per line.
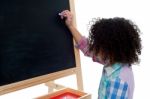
(49,78)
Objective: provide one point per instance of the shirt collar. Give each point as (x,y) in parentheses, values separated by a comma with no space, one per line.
(109,70)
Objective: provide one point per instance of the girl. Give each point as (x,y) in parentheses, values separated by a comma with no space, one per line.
(116,44)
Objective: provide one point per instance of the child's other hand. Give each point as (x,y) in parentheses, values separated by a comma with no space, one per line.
(67,15)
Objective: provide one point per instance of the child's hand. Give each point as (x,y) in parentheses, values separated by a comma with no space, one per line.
(67,15)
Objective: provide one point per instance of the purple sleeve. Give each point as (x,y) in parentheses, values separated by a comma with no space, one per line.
(83,45)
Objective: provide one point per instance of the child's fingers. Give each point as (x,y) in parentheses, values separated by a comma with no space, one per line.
(62,13)
(65,13)
(61,17)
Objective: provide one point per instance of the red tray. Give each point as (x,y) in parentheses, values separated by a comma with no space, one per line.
(66,95)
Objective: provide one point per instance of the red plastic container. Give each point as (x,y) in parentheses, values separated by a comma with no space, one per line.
(66,95)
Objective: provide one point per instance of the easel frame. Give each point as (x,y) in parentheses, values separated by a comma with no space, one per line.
(52,76)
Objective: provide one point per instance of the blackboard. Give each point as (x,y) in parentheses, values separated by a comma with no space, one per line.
(34,41)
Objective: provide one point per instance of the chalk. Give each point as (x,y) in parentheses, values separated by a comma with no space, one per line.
(62,17)
(59,14)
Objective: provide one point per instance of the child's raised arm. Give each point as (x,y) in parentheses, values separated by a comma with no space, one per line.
(82,42)
(68,16)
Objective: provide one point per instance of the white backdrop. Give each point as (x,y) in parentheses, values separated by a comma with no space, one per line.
(136,10)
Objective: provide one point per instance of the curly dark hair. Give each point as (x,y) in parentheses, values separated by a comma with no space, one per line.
(115,39)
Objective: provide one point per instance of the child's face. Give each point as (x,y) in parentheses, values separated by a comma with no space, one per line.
(100,56)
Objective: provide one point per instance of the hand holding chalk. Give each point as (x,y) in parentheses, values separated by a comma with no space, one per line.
(67,16)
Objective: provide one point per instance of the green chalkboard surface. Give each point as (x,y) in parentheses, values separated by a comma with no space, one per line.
(34,41)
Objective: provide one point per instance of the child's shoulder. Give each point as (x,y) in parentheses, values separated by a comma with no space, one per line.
(126,74)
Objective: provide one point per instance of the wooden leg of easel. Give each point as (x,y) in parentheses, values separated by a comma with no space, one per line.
(79,79)
(52,86)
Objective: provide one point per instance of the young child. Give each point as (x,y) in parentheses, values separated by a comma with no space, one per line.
(116,44)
